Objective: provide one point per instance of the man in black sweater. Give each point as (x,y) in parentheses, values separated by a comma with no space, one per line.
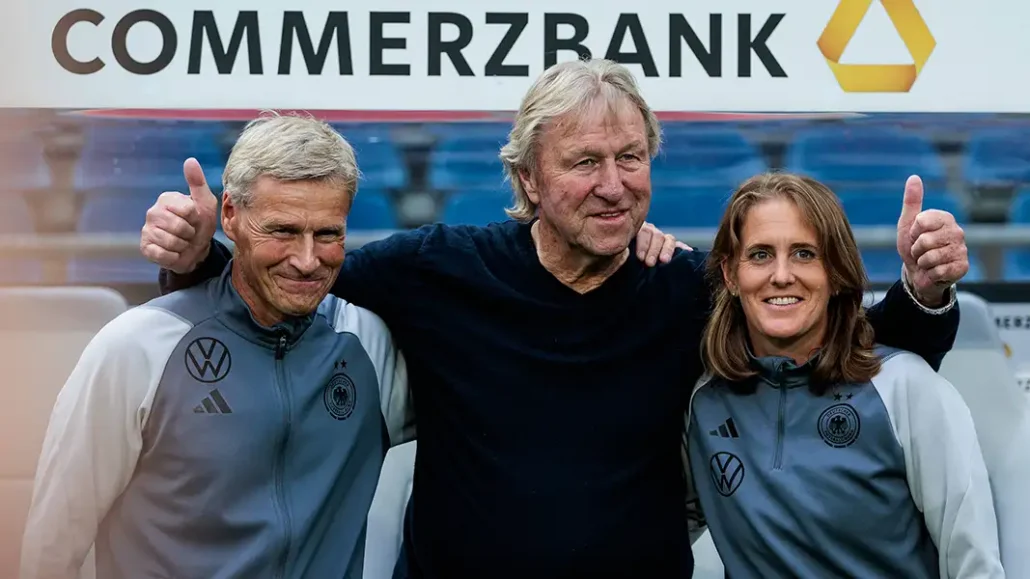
(550,369)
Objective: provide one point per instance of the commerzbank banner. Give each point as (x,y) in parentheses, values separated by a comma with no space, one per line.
(465,55)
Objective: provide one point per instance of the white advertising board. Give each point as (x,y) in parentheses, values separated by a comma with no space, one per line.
(465,55)
(1013,322)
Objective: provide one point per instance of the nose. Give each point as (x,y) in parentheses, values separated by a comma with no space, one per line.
(303,258)
(609,186)
(782,275)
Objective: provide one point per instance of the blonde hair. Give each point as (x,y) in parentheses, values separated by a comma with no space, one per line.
(563,89)
(289,148)
(847,354)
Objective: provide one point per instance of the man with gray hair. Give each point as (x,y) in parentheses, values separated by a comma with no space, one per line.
(550,370)
(237,428)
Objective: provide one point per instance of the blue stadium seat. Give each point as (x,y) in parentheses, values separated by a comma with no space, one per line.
(463,130)
(371,210)
(147,157)
(687,208)
(705,158)
(476,207)
(1017,261)
(16,218)
(360,132)
(463,162)
(882,208)
(113,213)
(999,157)
(889,192)
(381,164)
(865,155)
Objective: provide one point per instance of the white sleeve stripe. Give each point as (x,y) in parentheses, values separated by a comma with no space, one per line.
(390,366)
(94,438)
(885,395)
(945,468)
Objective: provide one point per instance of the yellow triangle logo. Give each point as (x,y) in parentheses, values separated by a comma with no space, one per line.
(876,77)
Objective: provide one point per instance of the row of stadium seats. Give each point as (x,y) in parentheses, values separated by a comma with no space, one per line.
(849,156)
(146,156)
(124,165)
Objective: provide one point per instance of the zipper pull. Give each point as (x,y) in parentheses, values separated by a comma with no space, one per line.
(280,348)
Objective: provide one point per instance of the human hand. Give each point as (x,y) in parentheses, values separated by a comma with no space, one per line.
(179,228)
(931,245)
(653,246)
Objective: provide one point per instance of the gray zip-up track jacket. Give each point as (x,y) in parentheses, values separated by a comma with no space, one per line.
(878,480)
(191,442)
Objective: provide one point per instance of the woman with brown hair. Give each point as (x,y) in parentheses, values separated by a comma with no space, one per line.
(813,451)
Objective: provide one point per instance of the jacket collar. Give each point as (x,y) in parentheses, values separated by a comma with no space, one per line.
(781,371)
(236,315)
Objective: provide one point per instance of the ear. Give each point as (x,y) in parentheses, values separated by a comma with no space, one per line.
(529,185)
(728,277)
(230,217)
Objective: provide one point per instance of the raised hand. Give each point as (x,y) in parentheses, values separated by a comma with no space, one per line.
(178,230)
(931,245)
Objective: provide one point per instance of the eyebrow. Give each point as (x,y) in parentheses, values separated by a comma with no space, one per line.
(802,245)
(576,152)
(293,228)
(590,151)
(636,146)
(274,225)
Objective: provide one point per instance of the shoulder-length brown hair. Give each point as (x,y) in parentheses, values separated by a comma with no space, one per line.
(847,354)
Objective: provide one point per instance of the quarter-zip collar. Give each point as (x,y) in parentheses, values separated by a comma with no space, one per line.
(236,315)
(781,371)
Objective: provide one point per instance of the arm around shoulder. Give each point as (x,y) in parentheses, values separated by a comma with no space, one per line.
(370,276)
(374,276)
(213,265)
(900,321)
(93,440)
(946,471)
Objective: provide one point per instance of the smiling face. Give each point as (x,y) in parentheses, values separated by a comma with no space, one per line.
(781,279)
(289,245)
(592,183)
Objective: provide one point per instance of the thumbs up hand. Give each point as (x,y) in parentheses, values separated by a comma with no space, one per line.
(178,230)
(931,245)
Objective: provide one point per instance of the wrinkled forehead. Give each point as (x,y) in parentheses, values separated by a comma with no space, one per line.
(602,118)
(310,204)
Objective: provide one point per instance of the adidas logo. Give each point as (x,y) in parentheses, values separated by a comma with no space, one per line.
(213,404)
(726,430)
